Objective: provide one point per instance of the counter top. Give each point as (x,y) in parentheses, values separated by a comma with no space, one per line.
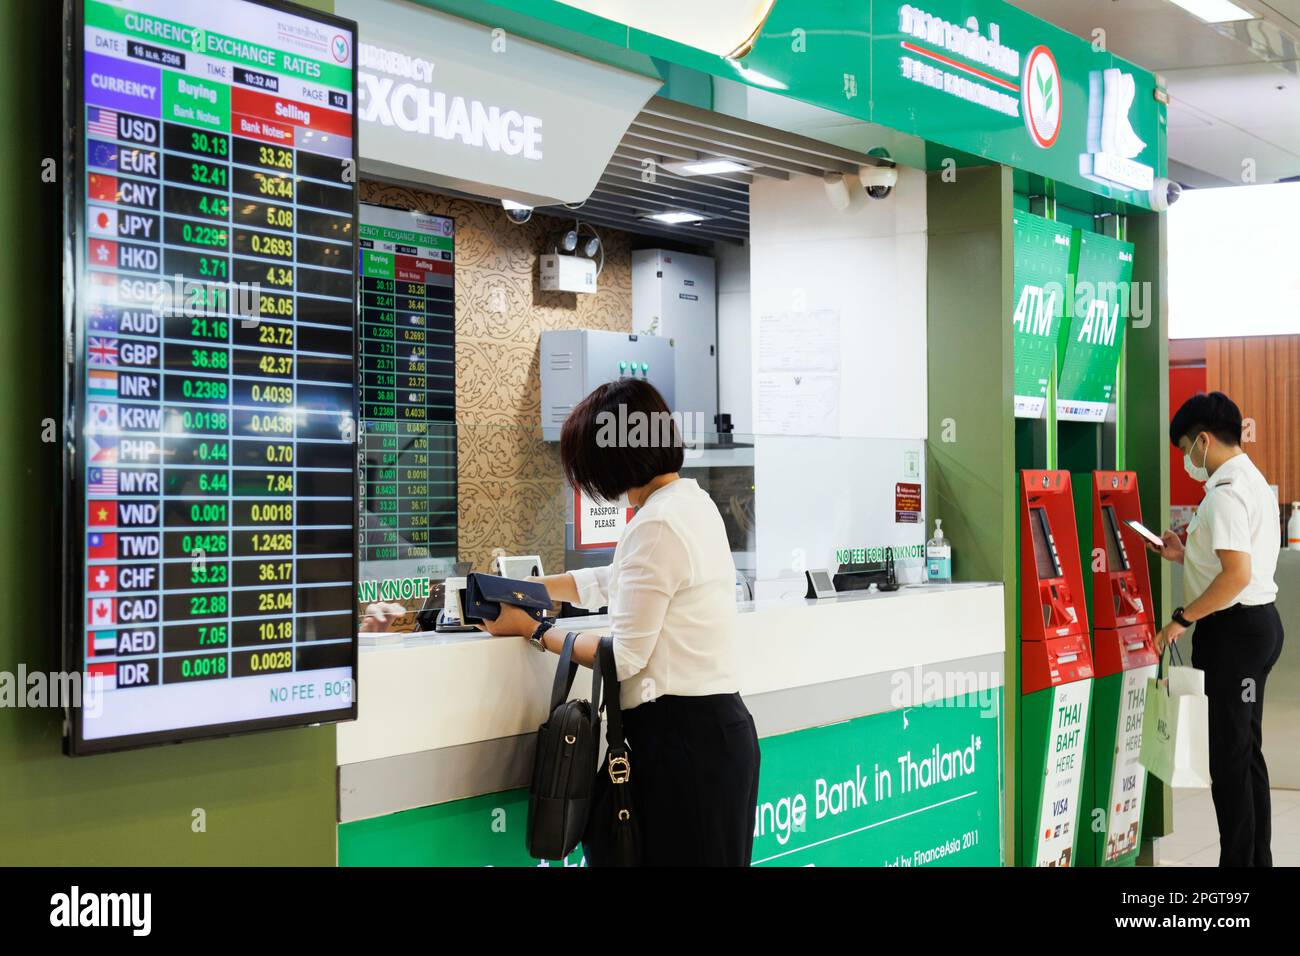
(371,642)
(446,716)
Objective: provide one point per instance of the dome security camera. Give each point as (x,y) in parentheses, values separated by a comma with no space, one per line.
(1164,193)
(517,212)
(879,181)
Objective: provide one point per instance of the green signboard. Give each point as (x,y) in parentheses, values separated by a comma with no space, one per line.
(978,76)
(1091,347)
(914,787)
(1041,277)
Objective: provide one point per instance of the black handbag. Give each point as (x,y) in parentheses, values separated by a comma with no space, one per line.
(485,593)
(613,836)
(568,743)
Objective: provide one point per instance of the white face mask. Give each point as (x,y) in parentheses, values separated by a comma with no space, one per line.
(1198,473)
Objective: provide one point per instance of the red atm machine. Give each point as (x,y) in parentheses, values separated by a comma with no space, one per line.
(1125,651)
(1055,671)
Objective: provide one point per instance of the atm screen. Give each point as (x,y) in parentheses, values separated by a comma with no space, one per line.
(1116,558)
(1048,567)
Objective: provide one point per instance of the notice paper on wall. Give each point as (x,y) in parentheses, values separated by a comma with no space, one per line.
(798,380)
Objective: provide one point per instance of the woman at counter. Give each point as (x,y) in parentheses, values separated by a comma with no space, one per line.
(671,597)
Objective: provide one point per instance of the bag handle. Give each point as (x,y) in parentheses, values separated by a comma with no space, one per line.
(614,739)
(565,672)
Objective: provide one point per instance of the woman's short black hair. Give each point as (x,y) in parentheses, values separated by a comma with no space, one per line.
(619,437)
(1215,413)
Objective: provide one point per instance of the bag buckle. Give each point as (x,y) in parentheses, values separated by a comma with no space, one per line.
(620,769)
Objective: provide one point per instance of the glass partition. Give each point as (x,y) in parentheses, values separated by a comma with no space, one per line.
(789,504)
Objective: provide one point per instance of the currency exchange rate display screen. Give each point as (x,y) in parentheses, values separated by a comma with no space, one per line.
(212,397)
(408,401)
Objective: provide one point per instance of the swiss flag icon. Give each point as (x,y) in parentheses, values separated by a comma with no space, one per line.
(102,578)
(102,611)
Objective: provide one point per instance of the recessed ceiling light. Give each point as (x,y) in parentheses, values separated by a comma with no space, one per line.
(705,167)
(1214,11)
(674,217)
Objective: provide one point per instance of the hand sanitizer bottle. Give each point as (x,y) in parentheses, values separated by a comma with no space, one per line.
(1293,528)
(938,556)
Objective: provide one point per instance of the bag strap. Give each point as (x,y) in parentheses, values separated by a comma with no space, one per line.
(1175,652)
(614,738)
(565,673)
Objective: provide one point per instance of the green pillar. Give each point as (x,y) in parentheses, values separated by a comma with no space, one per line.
(970,465)
(263,799)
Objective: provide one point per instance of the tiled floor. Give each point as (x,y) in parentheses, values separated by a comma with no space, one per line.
(1195,840)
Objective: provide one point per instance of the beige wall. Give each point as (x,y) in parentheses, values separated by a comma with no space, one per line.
(510,485)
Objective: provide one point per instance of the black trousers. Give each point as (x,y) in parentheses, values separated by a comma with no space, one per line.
(695,779)
(1236,648)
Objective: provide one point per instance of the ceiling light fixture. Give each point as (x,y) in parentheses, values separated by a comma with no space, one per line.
(705,167)
(674,217)
(1214,11)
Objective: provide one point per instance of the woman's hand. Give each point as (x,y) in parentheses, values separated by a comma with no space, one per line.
(380,616)
(511,622)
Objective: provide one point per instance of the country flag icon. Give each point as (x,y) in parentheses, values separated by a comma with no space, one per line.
(104,675)
(103,188)
(101,578)
(101,384)
(102,482)
(103,252)
(103,611)
(102,351)
(100,642)
(103,514)
(100,450)
(102,122)
(101,321)
(101,546)
(102,222)
(101,418)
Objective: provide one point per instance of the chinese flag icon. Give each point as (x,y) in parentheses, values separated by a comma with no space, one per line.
(103,187)
(102,611)
(103,514)
(102,578)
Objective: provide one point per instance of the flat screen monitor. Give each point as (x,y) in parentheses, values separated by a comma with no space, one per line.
(210,478)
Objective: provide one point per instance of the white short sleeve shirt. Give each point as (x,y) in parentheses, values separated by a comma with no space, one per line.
(1239,513)
(671,592)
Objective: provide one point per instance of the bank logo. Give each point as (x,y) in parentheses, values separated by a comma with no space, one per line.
(341,49)
(1113,146)
(1042,96)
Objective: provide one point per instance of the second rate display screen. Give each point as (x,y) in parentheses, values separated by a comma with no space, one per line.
(214,477)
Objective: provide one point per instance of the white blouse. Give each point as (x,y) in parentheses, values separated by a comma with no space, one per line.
(671,592)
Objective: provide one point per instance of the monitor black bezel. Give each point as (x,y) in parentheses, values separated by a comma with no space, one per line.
(73,654)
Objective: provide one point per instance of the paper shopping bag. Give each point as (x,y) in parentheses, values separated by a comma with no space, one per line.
(1176,729)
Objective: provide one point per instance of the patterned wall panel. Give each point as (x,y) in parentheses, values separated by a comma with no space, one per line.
(510,485)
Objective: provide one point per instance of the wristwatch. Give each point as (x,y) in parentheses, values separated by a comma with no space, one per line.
(542,628)
(1178,617)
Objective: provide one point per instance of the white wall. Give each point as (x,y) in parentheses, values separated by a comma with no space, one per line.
(735,384)
(868,264)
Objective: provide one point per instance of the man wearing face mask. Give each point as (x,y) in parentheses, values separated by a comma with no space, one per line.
(1229,563)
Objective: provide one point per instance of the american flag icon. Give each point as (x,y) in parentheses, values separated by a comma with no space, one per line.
(103,481)
(102,122)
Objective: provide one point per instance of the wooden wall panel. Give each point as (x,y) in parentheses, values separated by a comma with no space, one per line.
(510,485)
(1262,375)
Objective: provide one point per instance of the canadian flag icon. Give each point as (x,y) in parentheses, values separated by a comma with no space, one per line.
(103,611)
